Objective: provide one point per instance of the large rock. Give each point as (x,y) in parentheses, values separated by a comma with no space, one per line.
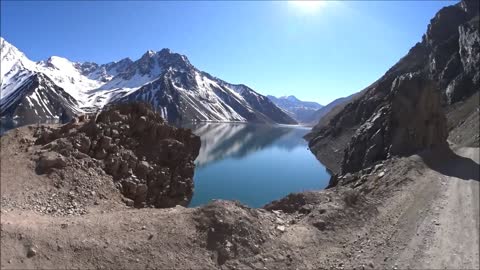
(409,120)
(49,161)
(150,161)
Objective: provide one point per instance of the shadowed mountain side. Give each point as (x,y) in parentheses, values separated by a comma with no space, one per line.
(403,112)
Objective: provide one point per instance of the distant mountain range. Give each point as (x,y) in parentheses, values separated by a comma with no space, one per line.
(59,89)
(301,111)
(337,103)
(308,112)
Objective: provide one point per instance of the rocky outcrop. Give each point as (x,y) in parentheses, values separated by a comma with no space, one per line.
(400,113)
(151,162)
(409,119)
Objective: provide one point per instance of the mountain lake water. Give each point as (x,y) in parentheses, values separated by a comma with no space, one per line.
(253,163)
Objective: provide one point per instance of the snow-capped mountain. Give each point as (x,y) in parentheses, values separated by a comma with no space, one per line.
(299,110)
(57,88)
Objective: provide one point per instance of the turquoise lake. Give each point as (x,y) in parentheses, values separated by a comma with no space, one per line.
(253,163)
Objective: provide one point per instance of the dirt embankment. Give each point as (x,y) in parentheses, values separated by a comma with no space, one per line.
(404,212)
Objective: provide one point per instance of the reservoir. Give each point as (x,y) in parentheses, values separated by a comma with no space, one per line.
(253,163)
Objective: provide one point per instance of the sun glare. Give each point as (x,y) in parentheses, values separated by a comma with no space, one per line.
(308,6)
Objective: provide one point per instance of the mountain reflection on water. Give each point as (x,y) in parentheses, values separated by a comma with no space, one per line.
(253,163)
(237,140)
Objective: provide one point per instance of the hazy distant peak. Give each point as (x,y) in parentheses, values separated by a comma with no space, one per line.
(300,110)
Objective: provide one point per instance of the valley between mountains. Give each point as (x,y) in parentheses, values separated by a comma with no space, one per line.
(110,187)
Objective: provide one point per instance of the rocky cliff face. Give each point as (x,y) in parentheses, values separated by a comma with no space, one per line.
(151,163)
(401,112)
(410,118)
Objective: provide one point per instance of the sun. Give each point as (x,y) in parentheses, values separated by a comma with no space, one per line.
(307,6)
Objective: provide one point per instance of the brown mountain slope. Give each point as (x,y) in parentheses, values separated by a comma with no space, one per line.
(447,59)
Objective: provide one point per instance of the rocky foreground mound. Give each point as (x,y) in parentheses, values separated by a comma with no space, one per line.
(401,214)
(401,113)
(148,161)
(61,206)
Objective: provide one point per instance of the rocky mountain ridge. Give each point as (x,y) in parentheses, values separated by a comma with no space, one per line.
(165,80)
(402,112)
(315,117)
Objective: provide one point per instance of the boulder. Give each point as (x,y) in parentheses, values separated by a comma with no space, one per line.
(49,161)
(101,153)
(143,169)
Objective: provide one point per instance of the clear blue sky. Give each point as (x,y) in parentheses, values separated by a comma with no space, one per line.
(317,53)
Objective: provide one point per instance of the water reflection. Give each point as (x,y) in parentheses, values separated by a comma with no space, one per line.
(253,163)
(237,140)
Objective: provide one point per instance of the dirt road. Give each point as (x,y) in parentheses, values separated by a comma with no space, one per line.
(447,226)
(455,234)
(429,221)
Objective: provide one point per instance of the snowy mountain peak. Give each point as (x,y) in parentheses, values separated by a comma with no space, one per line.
(169,58)
(6,47)
(108,71)
(292,98)
(124,61)
(300,110)
(59,63)
(150,53)
(10,55)
(15,68)
(59,88)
